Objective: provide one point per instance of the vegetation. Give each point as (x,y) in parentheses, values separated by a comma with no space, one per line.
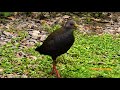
(91,56)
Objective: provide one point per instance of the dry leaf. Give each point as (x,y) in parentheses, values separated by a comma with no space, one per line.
(32,57)
(66,16)
(20,54)
(11,18)
(1,70)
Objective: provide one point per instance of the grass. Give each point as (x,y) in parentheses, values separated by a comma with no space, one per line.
(91,56)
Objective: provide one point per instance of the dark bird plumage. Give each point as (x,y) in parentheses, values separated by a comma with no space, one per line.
(58,42)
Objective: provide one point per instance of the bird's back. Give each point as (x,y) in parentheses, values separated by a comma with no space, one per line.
(57,43)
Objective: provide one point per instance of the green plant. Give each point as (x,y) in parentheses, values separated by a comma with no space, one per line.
(91,56)
(6,14)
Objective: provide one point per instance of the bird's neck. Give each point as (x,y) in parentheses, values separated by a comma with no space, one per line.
(68,30)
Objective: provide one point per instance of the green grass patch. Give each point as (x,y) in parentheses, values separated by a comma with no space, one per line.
(90,56)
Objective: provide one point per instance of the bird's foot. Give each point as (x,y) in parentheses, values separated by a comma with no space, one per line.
(52,73)
(58,76)
(56,73)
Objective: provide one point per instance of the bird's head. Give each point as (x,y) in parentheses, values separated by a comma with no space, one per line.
(70,24)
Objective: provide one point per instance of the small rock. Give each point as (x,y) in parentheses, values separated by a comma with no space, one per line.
(118,31)
(1,70)
(43,37)
(34,34)
(2,36)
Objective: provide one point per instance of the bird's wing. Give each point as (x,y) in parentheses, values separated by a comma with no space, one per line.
(52,41)
(51,38)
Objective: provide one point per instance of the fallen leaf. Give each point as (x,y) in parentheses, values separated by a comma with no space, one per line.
(20,54)
(96,19)
(66,16)
(24,76)
(1,70)
(12,18)
(32,57)
(98,27)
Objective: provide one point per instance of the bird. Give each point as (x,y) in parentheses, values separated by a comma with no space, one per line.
(58,43)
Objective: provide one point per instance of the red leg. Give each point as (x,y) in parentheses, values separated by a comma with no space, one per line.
(56,71)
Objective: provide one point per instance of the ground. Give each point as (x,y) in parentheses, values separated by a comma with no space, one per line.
(95,52)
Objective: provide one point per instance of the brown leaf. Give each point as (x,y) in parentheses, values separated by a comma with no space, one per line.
(20,54)
(11,18)
(32,57)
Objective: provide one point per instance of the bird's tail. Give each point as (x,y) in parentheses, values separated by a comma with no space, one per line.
(39,49)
